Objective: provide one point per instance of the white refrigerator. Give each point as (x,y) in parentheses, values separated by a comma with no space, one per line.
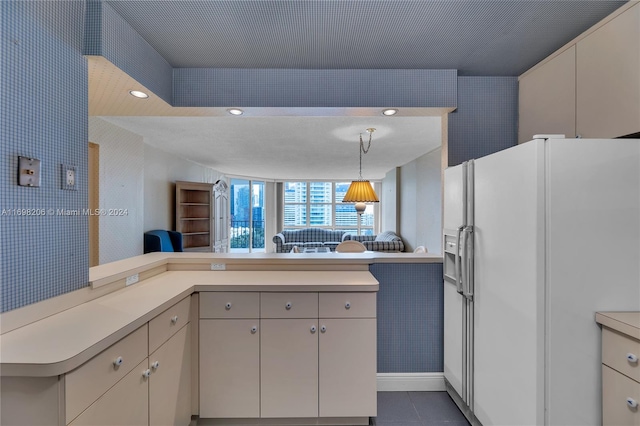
(537,239)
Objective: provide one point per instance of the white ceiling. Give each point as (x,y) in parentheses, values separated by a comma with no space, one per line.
(266,143)
(290,148)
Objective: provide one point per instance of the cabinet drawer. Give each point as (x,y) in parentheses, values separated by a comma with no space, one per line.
(229,305)
(347,305)
(616,389)
(125,404)
(88,382)
(289,305)
(165,325)
(615,349)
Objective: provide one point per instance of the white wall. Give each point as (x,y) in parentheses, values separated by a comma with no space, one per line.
(121,187)
(413,195)
(140,178)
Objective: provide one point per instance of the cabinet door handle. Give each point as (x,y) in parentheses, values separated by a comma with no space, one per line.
(174,319)
(155,365)
(227,306)
(632,358)
(117,362)
(323,328)
(347,305)
(288,305)
(146,373)
(313,329)
(632,403)
(254,329)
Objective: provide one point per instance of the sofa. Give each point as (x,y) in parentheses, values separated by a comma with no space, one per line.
(307,237)
(385,241)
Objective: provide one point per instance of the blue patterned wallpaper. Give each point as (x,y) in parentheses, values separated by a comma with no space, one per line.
(410,317)
(486,120)
(206,87)
(108,35)
(43,99)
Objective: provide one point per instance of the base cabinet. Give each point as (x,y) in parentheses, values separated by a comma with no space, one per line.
(289,363)
(170,381)
(347,367)
(229,368)
(124,404)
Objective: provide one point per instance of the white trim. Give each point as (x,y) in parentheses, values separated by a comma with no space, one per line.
(411,382)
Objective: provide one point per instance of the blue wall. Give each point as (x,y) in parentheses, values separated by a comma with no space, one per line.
(486,120)
(410,317)
(43,104)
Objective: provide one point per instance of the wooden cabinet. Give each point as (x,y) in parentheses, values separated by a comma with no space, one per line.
(608,78)
(274,355)
(547,100)
(592,88)
(194,206)
(620,368)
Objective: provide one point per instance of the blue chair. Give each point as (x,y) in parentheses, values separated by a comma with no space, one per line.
(161,240)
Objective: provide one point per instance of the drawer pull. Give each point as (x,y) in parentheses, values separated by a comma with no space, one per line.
(117,362)
(146,373)
(347,305)
(632,358)
(254,329)
(174,319)
(227,306)
(288,305)
(323,328)
(313,329)
(632,403)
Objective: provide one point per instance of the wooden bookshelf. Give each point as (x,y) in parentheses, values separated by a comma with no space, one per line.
(194,202)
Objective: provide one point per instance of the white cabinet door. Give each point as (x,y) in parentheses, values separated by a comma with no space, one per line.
(125,404)
(347,371)
(170,381)
(229,368)
(289,368)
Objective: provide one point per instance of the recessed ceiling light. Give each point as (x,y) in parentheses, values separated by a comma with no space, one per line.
(138,94)
(235,111)
(389,111)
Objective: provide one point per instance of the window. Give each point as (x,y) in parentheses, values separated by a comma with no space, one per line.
(319,205)
(247,216)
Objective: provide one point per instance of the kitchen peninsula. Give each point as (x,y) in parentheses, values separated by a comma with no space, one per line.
(207,331)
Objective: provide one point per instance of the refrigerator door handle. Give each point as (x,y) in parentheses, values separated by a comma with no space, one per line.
(468,259)
(463,261)
(458,271)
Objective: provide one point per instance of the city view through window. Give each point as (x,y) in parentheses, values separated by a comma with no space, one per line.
(306,204)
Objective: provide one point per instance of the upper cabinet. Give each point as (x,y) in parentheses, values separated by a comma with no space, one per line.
(547,100)
(608,78)
(589,89)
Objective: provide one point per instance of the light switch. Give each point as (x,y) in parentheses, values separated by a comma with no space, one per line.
(28,171)
(68,177)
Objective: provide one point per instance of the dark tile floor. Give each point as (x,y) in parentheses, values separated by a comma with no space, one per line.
(417,409)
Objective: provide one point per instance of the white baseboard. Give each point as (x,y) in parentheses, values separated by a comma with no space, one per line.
(411,382)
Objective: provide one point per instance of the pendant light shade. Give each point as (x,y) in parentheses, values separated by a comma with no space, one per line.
(360,191)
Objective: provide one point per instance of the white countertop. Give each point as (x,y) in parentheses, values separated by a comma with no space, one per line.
(65,340)
(624,322)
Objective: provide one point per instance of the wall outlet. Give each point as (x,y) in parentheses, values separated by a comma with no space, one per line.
(132,279)
(218,266)
(69,177)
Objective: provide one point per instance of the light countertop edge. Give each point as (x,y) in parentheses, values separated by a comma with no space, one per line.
(61,342)
(624,322)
